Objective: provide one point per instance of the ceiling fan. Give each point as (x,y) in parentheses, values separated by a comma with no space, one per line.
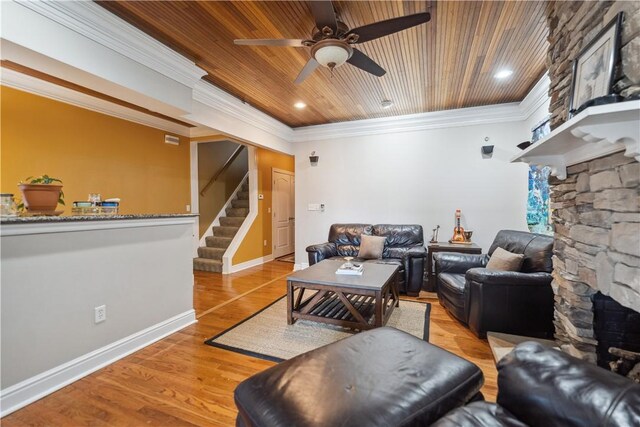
(332,41)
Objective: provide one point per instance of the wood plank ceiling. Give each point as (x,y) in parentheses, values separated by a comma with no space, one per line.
(444,64)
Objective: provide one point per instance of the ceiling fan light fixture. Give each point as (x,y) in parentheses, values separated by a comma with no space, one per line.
(331,53)
(300,105)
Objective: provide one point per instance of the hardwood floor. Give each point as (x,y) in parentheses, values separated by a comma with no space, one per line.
(181,381)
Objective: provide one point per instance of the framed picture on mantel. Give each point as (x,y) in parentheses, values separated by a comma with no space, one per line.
(593,69)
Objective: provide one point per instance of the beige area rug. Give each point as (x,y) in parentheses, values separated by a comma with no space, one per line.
(266,334)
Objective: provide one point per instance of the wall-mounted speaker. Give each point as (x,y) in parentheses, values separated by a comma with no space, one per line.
(487,150)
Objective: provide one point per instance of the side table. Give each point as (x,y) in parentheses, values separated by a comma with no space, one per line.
(432,248)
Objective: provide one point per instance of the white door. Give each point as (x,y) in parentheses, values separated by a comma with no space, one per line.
(283,213)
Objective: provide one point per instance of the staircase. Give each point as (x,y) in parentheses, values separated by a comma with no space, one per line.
(210,256)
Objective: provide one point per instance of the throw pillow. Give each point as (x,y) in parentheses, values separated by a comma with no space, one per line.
(371,247)
(505,261)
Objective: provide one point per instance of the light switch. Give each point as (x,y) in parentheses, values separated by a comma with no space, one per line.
(314,206)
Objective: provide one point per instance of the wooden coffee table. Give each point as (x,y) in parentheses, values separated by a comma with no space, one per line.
(357,302)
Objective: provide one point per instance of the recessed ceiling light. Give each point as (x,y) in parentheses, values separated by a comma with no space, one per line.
(386,103)
(503,74)
(299,105)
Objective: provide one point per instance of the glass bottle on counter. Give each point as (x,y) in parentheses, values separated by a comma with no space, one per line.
(95,199)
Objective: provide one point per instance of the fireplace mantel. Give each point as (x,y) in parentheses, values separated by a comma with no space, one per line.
(595,132)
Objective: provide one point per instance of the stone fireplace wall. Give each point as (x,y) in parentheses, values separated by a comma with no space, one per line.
(596,210)
(596,220)
(572,25)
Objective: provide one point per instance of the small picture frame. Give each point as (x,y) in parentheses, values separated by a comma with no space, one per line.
(593,69)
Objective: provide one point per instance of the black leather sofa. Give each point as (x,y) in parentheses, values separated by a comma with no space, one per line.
(404,246)
(385,377)
(512,302)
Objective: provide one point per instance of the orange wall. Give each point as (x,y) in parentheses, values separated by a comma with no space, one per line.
(252,246)
(91,153)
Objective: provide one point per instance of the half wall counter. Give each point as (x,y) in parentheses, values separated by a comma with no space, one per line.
(60,276)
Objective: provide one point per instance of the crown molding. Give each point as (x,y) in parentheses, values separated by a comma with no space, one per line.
(23,82)
(219,100)
(537,96)
(410,123)
(497,113)
(94,22)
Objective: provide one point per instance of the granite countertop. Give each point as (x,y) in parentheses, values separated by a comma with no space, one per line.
(76,218)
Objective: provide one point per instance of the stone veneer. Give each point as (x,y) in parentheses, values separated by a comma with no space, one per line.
(572,25)
(596,210)
(596,216)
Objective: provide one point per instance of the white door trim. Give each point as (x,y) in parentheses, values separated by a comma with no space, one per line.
(273,217)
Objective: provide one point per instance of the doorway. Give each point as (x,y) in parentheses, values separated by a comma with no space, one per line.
(284,221)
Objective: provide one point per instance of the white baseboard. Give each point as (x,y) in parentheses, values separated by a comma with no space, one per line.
(34,388)
(300,266)
(251,263)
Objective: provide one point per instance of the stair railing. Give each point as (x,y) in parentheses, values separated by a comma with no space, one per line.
(224,167)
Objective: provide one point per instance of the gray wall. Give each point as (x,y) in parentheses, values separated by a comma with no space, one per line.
(52,282)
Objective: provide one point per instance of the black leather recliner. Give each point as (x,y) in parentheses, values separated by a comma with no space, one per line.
(404,246)
(512,302)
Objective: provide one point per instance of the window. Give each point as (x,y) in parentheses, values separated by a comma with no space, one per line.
(538,204)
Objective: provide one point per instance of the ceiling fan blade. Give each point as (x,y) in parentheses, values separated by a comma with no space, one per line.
(389,26)
(309,68)
(365,63)
(270,42)
(323,14)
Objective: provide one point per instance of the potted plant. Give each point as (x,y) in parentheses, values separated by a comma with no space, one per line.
(41,193)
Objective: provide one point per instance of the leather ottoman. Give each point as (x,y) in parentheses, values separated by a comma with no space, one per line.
(383,377)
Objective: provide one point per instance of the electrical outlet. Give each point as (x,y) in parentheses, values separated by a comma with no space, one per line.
(100,314)
(188,208)
(265,243)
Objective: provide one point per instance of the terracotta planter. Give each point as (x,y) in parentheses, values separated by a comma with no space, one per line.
(40,197)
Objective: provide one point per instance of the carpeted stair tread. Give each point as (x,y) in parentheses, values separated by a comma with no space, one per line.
(206,264)
(243,212)
(240,203)
(218,242)
(221,231)
(211,253)
(231,221)
(210,256)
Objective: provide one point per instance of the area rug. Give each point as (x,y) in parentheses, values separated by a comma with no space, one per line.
(287,258)
(266,334)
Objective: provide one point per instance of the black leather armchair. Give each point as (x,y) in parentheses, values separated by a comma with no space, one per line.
(404,246)
(539,386)
(500,301)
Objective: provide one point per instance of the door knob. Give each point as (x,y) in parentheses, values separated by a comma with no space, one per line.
(291,218)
